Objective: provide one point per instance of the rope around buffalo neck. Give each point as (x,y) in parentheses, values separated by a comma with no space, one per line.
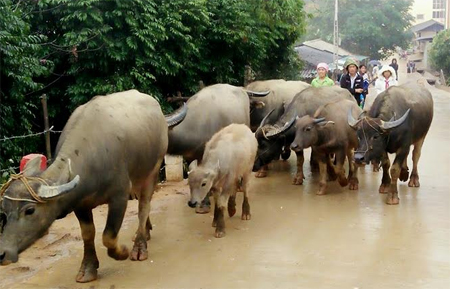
(27,185)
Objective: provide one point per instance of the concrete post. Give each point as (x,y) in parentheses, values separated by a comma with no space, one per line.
(174,168)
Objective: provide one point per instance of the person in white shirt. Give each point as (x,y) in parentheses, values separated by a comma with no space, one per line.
(386,79)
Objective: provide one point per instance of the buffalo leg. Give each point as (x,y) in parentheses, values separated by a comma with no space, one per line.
(116,212)
(404,172)
(386,180)
(148,227)
(262,173)
(352,171)
(89,265)
(323,175)
(339,168)
(231,205)
(245,204)
(286,153)
(392,198)
(331,170)
(139,251)
(221,201)
(313,161)
(414,178)
(298,180)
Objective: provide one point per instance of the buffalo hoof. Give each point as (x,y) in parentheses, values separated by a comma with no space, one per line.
(121,253)
(404,175)
(298,180)
(203,210)
(343,182)
(384,189)
(261,174)
(86,274)
(353,184)
(246,217)
(139,252)
(414,181)
(219,234)
(392,200)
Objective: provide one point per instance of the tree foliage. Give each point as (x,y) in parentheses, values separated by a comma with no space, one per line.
(439,52)
(366,27)
(74,50)
(19,72)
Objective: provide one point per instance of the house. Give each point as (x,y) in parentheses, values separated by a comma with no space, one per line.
(423,37)
(424,10)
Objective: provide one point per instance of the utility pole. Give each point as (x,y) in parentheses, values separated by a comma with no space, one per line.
(335,35)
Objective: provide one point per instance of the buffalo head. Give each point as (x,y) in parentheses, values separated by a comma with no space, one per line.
(307,131)
(27,209)
(201,179)
(271,139)
(373,136)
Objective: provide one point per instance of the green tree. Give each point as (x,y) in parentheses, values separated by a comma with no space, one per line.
(372,28)
(439,52)
(20,51)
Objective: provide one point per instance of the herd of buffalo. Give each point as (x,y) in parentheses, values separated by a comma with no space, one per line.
(112,148)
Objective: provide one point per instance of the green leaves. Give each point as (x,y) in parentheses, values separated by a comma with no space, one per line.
(439,55)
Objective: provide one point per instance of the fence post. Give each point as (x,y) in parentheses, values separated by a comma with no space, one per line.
(47,133)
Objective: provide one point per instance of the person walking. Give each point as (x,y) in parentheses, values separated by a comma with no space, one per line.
(394,65)
(322,78)
(386,79)
(352,81)
(366,81)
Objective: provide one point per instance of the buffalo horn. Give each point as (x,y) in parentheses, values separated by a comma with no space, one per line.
(351,120)
(177,116)
(319,120)
(279,130)
(48,192)
(392,124)
(257,93)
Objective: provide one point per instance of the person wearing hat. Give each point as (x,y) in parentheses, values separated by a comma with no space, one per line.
(322,78)
(352,81)
(386,79)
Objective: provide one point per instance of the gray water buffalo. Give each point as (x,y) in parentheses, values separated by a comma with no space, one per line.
(328,133)
(399,117)
(209,110)
(227,161)
(281,94)
(273,137)
(109,151)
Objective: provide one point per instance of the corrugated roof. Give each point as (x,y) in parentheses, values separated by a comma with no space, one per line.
(428,24)
(314,56)
(319,44)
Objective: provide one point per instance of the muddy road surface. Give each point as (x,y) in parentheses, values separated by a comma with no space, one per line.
(296,239)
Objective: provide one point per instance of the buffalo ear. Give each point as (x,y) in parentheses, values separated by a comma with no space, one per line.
(192,166)
(33,167)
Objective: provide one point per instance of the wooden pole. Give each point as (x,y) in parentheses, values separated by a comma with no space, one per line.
(47,133)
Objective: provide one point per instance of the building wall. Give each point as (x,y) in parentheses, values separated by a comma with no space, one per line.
(422,10)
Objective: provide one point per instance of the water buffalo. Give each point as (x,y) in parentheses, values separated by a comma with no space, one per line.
(399,117)
(109,151)
(209,110)
(273,137)
(281,94)
(327,132)
(227,161)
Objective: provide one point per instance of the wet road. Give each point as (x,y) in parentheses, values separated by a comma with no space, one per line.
(346,239)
